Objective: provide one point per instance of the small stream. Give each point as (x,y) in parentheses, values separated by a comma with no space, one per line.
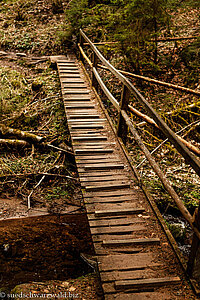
(181,231)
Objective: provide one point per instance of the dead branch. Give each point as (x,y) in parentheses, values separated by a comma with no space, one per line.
(152,122)
(154,81)
(174,112)
(29,137)
(29,196)
(69,151)
(16,176)
(163,142)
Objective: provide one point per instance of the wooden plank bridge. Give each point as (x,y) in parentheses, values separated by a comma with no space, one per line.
(135,260)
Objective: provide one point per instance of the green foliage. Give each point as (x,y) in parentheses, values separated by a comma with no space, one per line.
(132,23)
(190,55)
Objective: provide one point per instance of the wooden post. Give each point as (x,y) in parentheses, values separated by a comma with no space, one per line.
(94,62)
(81,44)
(193,269)
(122,129)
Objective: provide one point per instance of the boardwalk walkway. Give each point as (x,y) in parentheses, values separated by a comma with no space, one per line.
(134,258)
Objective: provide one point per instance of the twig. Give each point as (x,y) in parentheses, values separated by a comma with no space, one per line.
(165,142)
(60,149)
(29,196)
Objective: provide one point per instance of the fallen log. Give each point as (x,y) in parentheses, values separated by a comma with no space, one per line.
(152,122)
(14,143)
(27,136)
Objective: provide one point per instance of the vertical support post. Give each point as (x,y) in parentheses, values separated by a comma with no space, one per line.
(81,44)
(122,129)
(94,62)
(194,257)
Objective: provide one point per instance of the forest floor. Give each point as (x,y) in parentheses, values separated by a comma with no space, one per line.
(30,32)
(39,255)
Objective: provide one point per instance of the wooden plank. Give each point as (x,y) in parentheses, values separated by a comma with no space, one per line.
(120,242)
(98,238)
(70,85)
(101,179)
(88,126)
(88,138)
(109,200)
(75,106)
(99,251)
(117,229)
(71,80)
(146,283)
(126,262)
(68,67)
(114,212)
(106,194)
(136,296)
(105,166)
(81,162)
(75,91)
(106,187)
(63,75)
(81,118)
(77,102)
(89,151)
(115,222)
(123,275)
(68,71)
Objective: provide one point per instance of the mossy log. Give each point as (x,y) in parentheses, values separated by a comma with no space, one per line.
(14,143)
(26,136)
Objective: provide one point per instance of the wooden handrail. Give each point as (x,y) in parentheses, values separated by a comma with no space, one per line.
(158,82)
(160,174)
(181,148)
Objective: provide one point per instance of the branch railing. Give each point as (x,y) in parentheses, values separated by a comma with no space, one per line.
(124,122)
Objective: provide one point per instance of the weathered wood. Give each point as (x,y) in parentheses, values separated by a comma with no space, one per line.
(71,80)
(122,129)
(126,262)
(89,151)
(85,56)
(114,212)
(23,135)
(115,222)
(63,75)
(189,157)
(102,194)
(14,143)
(141,295)
(75,91)
(71,72)
(79,106)
(105,90)
(88,138)
(116,229)
(162,177)
(131,242)
(80,162)
(87,126)
(81,118)
(124,275)
(194,255)
(109,186)
(105,166)
(157,82)
(94,65)
(150,282)
(102,178)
